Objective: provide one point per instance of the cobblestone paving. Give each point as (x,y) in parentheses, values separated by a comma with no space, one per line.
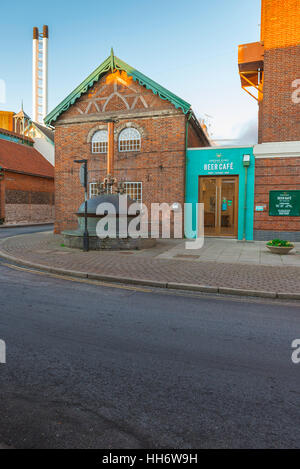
(46,249)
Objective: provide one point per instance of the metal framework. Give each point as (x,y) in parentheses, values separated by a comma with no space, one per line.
(245,76)
(40,74)
(133,189)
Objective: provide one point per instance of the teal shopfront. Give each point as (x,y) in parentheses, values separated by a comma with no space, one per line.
(223,180)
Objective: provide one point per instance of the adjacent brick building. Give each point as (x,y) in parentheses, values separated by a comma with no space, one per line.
(279,115)
(26,181)
(272,66)
(152,130)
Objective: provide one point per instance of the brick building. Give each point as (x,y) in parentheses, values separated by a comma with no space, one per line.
(26,181)
(152,129)
(272,68)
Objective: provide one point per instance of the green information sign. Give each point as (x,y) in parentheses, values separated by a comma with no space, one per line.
(284,204)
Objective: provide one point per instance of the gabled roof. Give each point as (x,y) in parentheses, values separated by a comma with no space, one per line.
(110,64)
(24,159)
(49,133)
(22,115)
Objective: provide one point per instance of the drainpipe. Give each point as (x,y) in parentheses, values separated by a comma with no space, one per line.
(245,203)
(110,149)
(246,164)
(186,147)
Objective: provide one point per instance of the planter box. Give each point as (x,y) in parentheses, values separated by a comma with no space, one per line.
(280,250)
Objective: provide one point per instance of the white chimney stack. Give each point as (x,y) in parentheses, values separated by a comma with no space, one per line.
(40,75)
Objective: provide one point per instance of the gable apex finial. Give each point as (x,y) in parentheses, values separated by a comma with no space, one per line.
(112,60)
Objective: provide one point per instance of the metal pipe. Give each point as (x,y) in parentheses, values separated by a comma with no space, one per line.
(110,149)
(245,203)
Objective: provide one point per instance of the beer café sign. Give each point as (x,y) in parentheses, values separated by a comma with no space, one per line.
(218,166)
(284,204)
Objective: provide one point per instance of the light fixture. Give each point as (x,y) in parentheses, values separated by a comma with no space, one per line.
(246,160)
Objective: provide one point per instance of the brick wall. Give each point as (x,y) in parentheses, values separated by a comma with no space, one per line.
(2,199)
(193,137)
(275,174)
(279,116)
(159,165)
(280,23)
(27,198)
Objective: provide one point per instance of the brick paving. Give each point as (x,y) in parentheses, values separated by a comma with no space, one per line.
(46,249)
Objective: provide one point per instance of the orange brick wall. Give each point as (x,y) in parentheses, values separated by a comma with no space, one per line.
(279,116)
(280,24)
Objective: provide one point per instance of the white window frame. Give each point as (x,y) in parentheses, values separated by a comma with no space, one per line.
(131,187)
(93,192)
(129,144)
(99,146)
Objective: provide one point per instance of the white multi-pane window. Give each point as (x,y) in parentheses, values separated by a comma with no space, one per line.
(134,190)
(129,140)
(100,141)
(94,189)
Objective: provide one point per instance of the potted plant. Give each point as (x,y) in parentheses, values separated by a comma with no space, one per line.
(279,246)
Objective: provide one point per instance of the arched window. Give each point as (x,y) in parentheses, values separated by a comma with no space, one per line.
(99,141)
(129,140)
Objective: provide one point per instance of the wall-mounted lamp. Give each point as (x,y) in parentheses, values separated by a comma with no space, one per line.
(246,160)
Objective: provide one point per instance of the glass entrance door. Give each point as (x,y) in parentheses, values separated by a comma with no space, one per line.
(220,198)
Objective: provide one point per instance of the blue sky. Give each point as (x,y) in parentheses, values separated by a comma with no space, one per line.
(188,46)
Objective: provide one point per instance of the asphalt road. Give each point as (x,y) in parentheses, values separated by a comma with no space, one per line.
(90,366)
(14,231)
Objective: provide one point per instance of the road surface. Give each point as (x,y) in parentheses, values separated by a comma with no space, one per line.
(91,366)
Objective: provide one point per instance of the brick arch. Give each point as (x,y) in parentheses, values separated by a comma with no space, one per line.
(126,125)
(93,131)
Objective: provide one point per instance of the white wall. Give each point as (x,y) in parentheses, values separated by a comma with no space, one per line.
(45,148)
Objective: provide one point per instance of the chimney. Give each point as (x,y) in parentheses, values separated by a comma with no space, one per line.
(40,74)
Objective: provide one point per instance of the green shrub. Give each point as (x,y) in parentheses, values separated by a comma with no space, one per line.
(280,243)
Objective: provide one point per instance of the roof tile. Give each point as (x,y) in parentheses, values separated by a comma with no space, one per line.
(24,159)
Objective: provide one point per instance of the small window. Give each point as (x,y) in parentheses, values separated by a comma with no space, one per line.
(99,141)
(94,189)
(129,140)
(134,190)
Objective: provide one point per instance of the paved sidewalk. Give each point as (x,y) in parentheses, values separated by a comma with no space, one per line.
(221,263)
